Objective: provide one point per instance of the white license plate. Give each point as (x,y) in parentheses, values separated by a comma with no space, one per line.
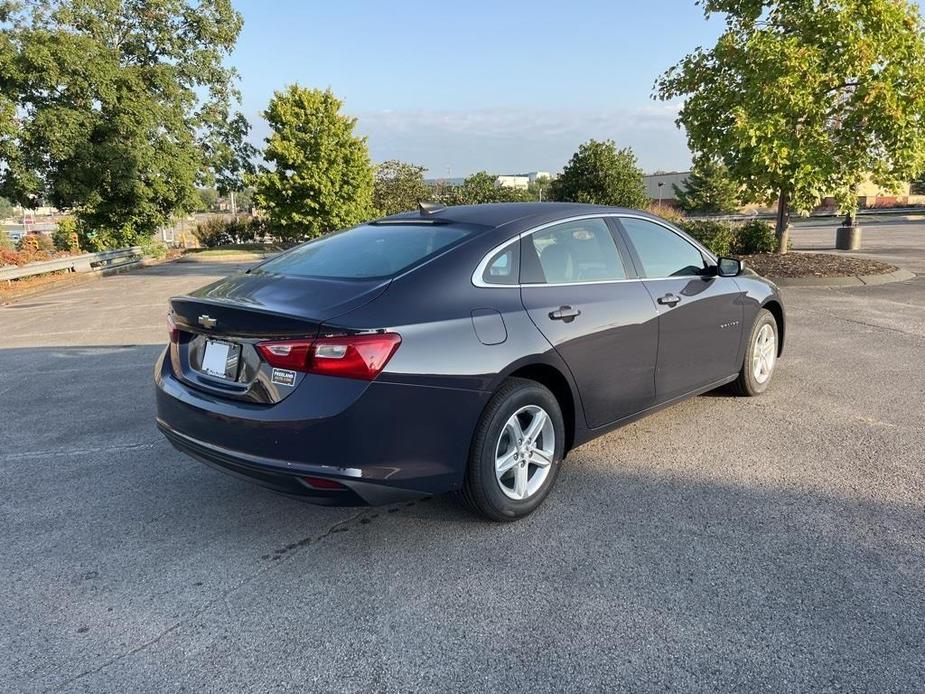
(215,358)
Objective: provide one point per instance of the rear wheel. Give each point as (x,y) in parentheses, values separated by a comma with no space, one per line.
(760,357)
(516,451)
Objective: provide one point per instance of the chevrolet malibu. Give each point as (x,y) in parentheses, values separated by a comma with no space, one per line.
(456,349)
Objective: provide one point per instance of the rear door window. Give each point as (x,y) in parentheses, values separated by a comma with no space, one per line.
(368,251)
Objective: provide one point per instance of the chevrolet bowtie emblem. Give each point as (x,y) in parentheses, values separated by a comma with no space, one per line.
(207,322)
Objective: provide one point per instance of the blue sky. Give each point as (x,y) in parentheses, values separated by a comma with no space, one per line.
(469,85)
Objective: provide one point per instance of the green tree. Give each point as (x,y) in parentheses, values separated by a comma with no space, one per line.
(208,199)
(398,187)
(709,189)
(7,209)
(65,236)
(600,173)
(481,187)
(319,177)
(115,109)
(805,99)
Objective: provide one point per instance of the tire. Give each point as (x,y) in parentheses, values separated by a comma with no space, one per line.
(752,379)
(524,485)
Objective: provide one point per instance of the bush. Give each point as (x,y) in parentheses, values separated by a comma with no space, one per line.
(35,243)
(220,231)
(65,235)
(668,213)
(756,237)
(6,243)
(10,257)
(719,237)
(152,247)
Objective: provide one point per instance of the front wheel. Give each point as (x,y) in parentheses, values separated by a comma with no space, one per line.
(760,357)
(516,451)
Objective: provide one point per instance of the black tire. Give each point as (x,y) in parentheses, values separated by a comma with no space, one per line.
(746,384)
(481,489)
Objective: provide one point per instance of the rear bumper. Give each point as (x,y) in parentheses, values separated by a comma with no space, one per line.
(284,477)
(391,442)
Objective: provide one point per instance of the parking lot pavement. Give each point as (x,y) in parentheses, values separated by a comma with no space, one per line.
(775,543)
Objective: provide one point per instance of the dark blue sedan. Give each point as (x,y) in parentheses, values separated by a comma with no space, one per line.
(462,348)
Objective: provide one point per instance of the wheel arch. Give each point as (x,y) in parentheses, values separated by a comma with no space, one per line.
(556,381)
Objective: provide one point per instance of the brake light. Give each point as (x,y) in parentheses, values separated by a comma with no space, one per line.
(350,356)
(172,329)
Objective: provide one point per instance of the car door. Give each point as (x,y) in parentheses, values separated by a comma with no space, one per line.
(582,294)
(700,314)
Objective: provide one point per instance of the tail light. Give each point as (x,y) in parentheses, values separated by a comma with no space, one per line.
(351,356)
(172,329)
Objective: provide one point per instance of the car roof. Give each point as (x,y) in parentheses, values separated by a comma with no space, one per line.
(498,214)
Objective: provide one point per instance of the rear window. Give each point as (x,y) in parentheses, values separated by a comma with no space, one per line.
(367,251)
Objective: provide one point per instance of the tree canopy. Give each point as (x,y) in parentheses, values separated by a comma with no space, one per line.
(481,187)
(600,173)
(709,189)
(318,176)
(398,187)
(7,209)
(115,109)
(802,99)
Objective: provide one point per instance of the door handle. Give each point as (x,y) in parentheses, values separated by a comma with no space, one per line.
(565,313)
(669,299)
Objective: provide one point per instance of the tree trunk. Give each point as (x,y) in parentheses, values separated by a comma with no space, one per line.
(782,226)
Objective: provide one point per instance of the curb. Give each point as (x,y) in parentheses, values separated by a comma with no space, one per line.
(856,281)
(238,258)
(74,278)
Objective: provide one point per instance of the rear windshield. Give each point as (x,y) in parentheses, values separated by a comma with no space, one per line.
(367,251)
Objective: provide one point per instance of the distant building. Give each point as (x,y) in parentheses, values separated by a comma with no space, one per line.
(517,181)
(535,176)
(660,186)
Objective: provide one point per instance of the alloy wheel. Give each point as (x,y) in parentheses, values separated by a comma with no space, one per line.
(764,354)
(524,452)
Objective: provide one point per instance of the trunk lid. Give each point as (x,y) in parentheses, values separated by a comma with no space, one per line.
(224,320)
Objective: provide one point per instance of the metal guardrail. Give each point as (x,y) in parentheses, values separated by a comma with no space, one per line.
(869,212)
(88,262)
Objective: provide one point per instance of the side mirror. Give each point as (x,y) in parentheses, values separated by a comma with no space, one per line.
(729,267)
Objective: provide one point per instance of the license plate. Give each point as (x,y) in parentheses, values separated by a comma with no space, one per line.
(218,358)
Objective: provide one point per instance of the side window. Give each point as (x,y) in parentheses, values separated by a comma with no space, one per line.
(662,252)
(579,251)
(504,266)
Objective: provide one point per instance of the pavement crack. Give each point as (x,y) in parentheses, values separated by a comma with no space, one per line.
(28,455)
(222,597)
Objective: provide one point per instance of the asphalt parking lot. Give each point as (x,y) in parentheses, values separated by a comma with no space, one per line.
(772,544)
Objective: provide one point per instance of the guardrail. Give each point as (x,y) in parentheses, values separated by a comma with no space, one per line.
(868,212)
(88,262)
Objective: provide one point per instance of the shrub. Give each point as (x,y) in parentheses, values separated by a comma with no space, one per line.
(6,243)
(35,243)
(153,247)
(756,237)
(668,213)
(11,257)
(719,237)
(65,235)
(219,231)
